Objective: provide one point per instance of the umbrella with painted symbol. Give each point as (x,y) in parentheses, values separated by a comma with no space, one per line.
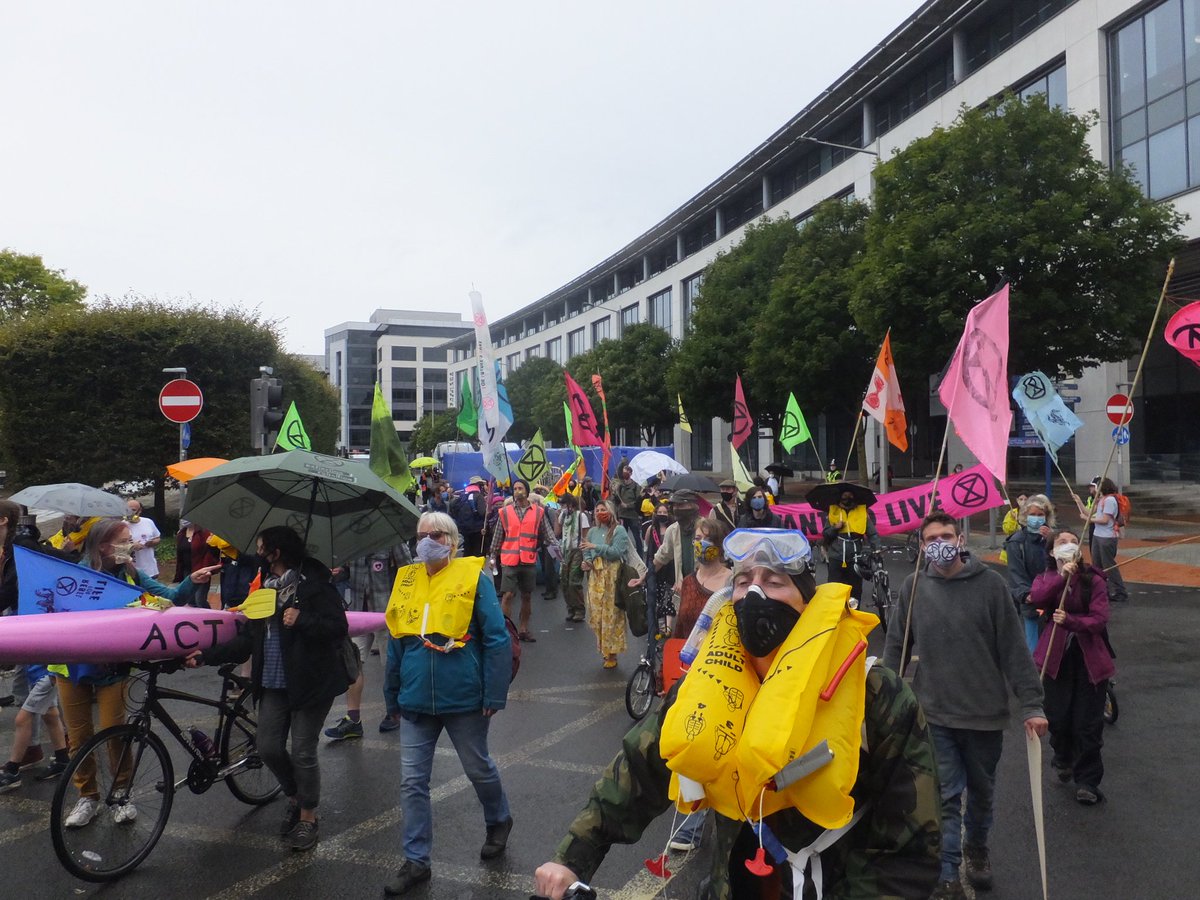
(71,498)
(341,508)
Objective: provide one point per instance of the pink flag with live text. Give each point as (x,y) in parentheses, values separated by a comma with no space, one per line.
(975,389)
(743,425)
(583,420)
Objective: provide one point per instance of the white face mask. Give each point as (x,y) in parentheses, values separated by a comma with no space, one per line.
(1066,552)
(122,553)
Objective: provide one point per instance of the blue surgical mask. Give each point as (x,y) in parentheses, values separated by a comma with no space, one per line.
(1033,523)
(758,502)
(445,496)
(429,550)
(941,554)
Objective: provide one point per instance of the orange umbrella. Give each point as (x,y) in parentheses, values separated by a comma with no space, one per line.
(190,468)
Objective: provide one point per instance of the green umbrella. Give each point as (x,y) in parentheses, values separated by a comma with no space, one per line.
(342,508)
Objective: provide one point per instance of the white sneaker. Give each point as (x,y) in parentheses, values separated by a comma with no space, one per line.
(124,813)
(83,813)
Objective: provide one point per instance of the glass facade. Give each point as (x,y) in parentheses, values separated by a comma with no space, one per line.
(574,343)
(1154,73)
(403,354)
(691,290)
(1012,21)
(1052,85)
(554,350)
(601,330)
(660,310)
(923,87)
(630,315)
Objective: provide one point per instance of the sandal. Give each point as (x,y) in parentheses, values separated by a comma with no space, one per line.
(610,663)
(526,637)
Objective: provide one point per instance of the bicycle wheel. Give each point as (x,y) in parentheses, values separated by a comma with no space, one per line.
(881,597)
(248,779)
(912,545)
(132,770)
(639,693)
(1111,710)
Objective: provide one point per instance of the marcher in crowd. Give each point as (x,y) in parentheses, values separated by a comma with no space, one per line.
(677,549)
(758,512)
(728,511)
(627,494)
(192,551)
(108,549)
(662,584)
(470,514)
(521,530)
(296,671)
(891,851)
(606,547)
(1105,522)
(1080,664)
(451,674)
(972,653)
(367,589)
(1026,550)
(548,558)
(571,528)
(146,537)
(849,532)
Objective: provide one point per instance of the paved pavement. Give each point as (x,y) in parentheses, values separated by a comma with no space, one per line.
(564,721)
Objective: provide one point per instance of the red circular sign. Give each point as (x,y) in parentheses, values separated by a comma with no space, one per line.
(1119,409)
(180,400)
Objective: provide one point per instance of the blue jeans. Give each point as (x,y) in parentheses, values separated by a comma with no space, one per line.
(418,737)
(1032,633)
(966,761)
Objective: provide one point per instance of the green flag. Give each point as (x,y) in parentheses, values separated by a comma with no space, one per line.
(533,463)
(468,417)
(388,459)
(292,435)
(795,429)
(567,417)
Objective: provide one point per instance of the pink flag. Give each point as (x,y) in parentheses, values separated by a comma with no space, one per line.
(975,389)
(583,420)
(743,425)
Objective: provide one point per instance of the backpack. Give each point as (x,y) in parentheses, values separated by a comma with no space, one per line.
(515,637)
(1124,509)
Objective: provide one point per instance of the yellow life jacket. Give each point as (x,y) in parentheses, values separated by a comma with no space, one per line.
(223,546)
(443,604)
(76,537)
(726,731)
(852,522)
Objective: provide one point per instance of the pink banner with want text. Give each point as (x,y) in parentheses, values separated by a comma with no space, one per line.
(969,492)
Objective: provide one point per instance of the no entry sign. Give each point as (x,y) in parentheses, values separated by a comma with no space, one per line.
(180,400)
(1119,409)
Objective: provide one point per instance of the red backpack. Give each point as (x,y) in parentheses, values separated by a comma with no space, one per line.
(1124,509)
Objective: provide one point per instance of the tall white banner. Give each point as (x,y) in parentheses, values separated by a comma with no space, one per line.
(492,424)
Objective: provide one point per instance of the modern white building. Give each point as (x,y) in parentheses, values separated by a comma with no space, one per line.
(1137,64)
(404,351)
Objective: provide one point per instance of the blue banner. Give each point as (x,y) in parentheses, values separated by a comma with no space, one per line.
(49,585)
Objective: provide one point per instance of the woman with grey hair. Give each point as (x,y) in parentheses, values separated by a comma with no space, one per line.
(449,664)
(1027,553)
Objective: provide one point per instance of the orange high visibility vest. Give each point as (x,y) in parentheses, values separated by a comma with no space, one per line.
(520,535)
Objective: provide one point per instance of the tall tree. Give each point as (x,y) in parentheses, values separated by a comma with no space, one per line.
(737,284)
(27,287)
(430,430)
(634,368)
(806,339)
(1012,191)
(537,391)
(94,417)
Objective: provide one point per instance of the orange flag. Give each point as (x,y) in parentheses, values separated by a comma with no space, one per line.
(883,402)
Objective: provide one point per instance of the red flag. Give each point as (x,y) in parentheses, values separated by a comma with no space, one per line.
(583,421)
(743,425)
(883,402)
(975,389)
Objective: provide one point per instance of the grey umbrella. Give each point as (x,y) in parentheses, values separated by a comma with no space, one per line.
(71,498)
(341,507)
(692,482)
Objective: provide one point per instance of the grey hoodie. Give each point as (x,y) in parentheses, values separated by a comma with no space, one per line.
(971,648)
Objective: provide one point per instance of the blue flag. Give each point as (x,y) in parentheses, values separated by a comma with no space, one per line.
(1050,418)
(50,585)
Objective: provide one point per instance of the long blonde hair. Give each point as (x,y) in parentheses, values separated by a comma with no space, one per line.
(102,533)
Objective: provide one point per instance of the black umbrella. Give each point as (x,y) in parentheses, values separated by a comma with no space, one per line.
(781,470)
(690,481)
(824,496)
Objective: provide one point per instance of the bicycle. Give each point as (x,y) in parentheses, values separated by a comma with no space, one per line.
(912,545)
(881,584)
(646,682)
(133,767)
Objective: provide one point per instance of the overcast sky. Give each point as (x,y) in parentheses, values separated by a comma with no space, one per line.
(317,161)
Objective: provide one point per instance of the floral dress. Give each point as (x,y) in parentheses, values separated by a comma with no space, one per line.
(603,617)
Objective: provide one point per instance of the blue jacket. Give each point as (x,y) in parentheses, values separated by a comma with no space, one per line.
(469,679)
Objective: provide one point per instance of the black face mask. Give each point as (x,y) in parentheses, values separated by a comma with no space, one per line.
(763,623)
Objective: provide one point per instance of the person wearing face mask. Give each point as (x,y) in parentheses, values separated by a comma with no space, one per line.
(70,537)
(449,665)
(1080,664)
(676,548)
(728,511)
(758,512)
(849,529)
(1026,551)
(522,529)
(606,547)
(296,672)
(662,585)
(571,527)
(889,845)
(145,536)
(972,651)
(108,549)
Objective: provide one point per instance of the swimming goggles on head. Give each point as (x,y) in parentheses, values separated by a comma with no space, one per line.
(779,549)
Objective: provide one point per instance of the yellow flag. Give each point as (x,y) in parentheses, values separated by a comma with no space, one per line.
(683,419)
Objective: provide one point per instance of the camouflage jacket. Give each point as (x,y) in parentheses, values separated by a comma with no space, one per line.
(892,852)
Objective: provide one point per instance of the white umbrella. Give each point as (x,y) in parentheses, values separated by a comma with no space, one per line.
(651,462)
(71,498)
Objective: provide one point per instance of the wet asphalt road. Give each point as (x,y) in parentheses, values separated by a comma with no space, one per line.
(564,720)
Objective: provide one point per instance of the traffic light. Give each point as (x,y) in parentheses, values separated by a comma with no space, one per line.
(266,412)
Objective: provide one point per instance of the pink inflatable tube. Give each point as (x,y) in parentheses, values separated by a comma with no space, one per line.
(128,635)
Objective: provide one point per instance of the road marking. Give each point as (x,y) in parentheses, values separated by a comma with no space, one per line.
(341,843)
(561,766)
